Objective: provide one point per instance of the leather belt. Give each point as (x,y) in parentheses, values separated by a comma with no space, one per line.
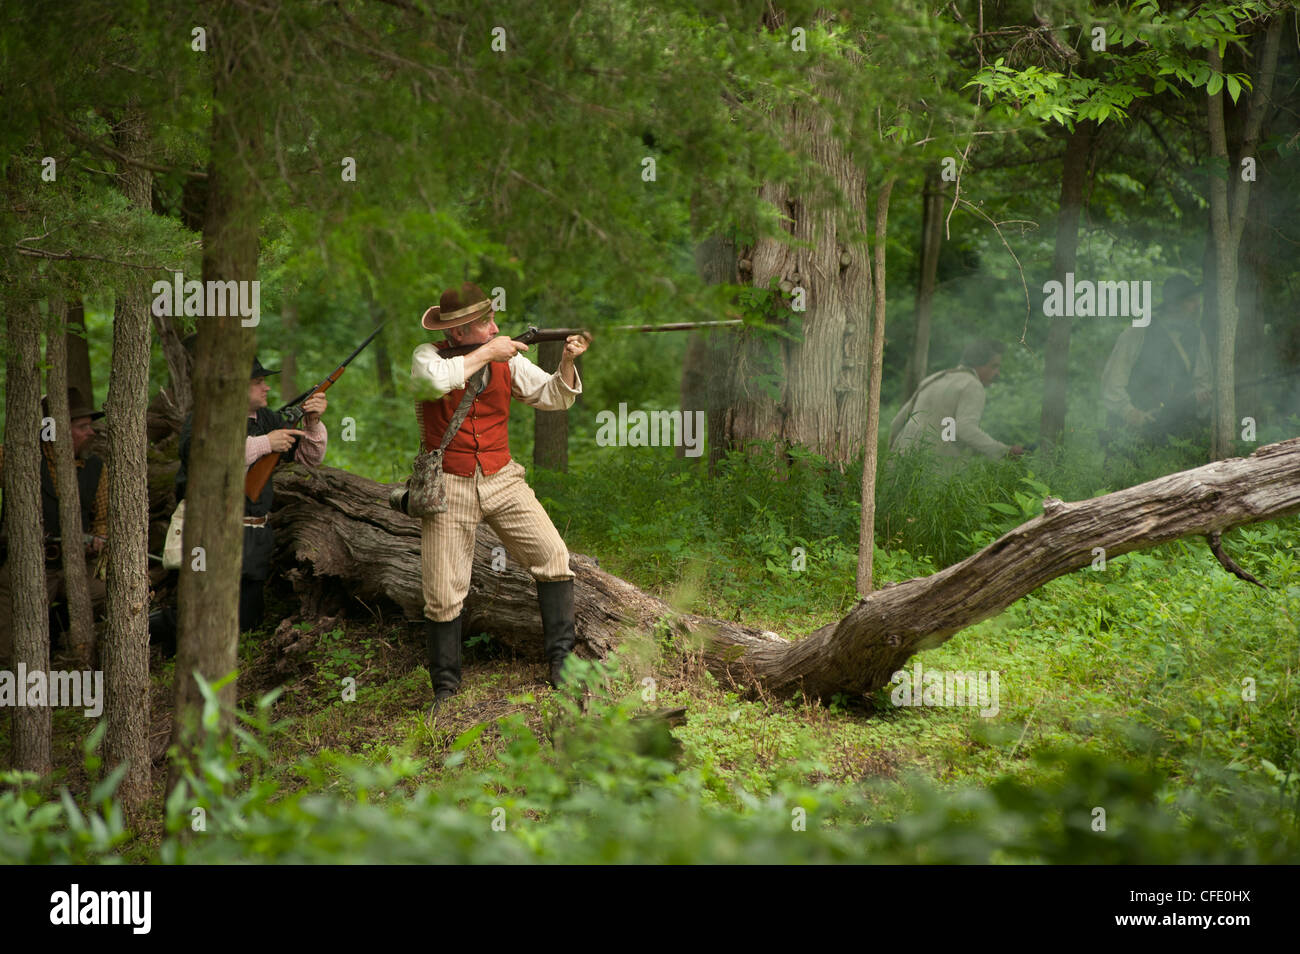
(255,521)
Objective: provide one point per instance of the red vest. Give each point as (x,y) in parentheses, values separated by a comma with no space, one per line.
(483,438)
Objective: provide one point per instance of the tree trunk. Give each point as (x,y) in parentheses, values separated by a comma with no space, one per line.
(29,607)
(867,528)
(126,642)
(1056,359)
(1229,201)
(349,544)
(931,239)
(383,359)
(79,376)
(209,580)
(550,428)
(810,391)
(178,398)
(81,620)
(705,383)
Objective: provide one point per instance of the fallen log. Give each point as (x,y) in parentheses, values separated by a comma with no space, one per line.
(337,528)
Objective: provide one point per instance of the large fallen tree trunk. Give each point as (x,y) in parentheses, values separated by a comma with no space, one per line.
(338,529)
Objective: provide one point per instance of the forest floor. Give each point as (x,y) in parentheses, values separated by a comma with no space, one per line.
(1158,656)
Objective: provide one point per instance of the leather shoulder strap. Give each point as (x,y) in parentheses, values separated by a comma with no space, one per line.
(472,389)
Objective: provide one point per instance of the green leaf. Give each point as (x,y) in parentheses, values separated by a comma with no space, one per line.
(108,785)
(1215,84)
(468,737)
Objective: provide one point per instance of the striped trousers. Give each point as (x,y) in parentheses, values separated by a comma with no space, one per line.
(512,510)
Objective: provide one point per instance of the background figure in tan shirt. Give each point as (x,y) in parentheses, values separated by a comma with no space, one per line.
(944,414)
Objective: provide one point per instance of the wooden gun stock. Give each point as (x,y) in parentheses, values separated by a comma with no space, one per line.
(256,477)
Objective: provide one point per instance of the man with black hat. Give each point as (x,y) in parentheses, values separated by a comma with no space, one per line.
(483,482)
(266,434)
(1156,383)
(93,489)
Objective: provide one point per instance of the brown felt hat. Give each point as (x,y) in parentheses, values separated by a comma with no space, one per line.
(458,306)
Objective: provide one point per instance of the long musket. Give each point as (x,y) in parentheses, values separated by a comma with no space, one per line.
(535,335)
(257,476)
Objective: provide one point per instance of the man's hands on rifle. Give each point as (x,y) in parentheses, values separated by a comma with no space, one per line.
(283,438)
(312,408)
(501,348)
(574,345)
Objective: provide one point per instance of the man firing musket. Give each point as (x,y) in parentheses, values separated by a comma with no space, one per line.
(464,387)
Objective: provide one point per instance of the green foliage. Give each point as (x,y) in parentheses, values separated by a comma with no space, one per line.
(36,829)
(605,793)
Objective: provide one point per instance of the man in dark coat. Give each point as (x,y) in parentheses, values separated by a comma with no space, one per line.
(1156,383)
(267,434)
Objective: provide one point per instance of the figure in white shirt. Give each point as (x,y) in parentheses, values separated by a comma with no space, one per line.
(483,482)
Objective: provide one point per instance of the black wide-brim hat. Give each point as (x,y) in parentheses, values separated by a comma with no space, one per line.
(259,371)
(457,306)
(78,406)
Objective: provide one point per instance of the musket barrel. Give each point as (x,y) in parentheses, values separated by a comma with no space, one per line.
(680,326)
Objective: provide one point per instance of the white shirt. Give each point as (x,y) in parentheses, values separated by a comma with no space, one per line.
(434,376)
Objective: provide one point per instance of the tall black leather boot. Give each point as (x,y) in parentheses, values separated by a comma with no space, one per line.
(555,597)
(442,648)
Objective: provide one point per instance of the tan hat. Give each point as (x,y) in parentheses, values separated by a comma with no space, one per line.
(458,306)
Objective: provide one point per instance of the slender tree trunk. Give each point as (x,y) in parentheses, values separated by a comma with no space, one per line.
(79,375)
(384,359)
(705,384)
(178,399)
(931,239)
(1229,201)
(867,529)
(551,428)
(209,576)
(81,621)
(1056,363)
(126,642)
(29,607)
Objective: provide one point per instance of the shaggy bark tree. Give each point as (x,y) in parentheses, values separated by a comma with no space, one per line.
(213,548)
(346,543)
(809,389)
(24,525)
(126,641)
